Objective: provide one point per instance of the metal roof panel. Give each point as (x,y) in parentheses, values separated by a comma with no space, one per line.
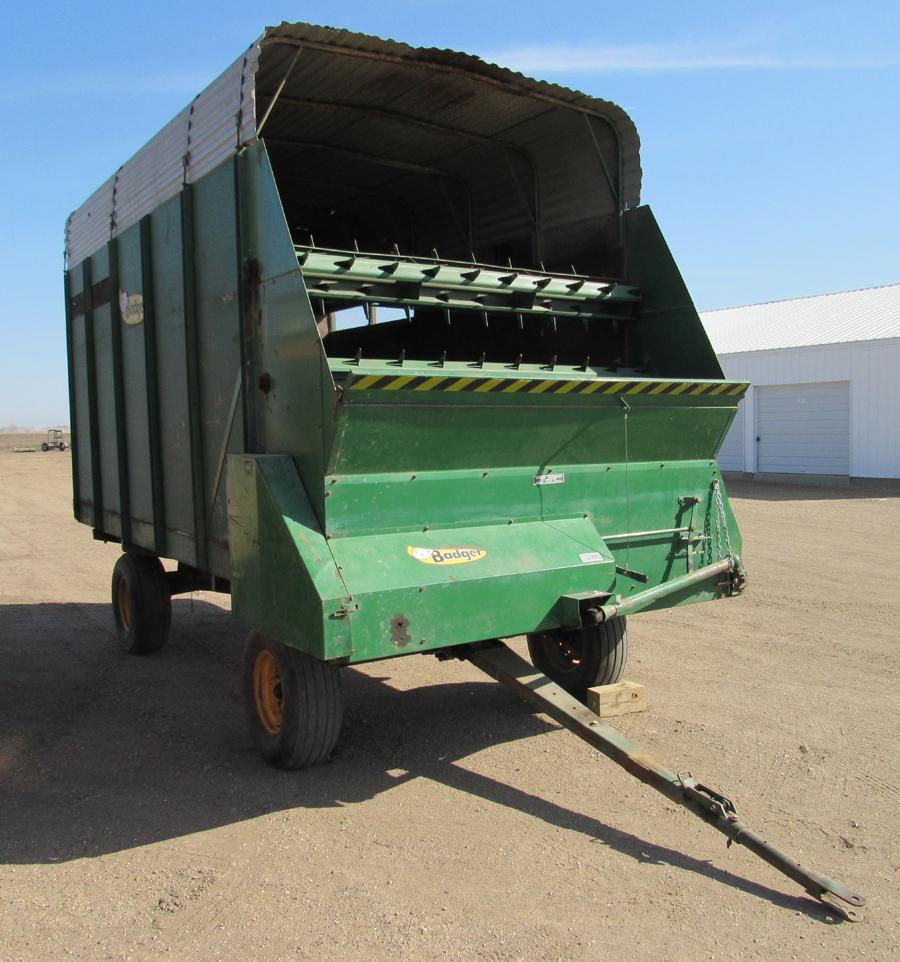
(867,314)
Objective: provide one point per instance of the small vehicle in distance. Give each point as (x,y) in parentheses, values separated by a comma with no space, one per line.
(55,439)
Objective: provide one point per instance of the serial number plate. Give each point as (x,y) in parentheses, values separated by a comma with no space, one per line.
(591,558)
(549,479)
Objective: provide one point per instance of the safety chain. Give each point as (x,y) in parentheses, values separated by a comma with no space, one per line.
(723,538)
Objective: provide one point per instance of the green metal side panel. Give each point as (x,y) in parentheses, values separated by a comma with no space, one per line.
(416,591)
(295,415)
(669,337)
(79,416)
(284,579)
(135,382)
(168,306)
(218,312)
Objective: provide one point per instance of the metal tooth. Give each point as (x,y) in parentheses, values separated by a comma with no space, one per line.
(396,249)
(435,254)
(587,363)
(389,268)
(542,282)
(518,362)
(471,275)
(552,364)
(576,286)
(302,256)
(507,278)
(443,359)
(431,271)
(358,356)
(347,264)
(408,313)
(481,359)
(402,357)
(355,245)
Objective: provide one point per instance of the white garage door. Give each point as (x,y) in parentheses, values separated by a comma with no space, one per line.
(731,454)
(804,428)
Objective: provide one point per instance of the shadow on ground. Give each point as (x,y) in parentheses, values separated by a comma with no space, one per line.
(102,751)
(858,490)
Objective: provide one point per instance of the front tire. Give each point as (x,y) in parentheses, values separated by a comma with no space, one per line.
(582,658)
(142,603)
(293,701)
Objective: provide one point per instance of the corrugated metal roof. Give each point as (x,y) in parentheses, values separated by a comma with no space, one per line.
(463,97)
(868,314)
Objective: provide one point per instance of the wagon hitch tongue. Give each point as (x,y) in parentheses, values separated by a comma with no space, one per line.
(512,671)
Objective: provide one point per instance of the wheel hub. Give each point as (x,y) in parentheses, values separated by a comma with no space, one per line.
(267,692)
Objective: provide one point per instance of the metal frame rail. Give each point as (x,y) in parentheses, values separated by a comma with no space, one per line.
(505,666)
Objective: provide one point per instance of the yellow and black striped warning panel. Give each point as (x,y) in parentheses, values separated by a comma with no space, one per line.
(510,385)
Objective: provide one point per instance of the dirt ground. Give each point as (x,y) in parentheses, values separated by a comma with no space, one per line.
(137,822)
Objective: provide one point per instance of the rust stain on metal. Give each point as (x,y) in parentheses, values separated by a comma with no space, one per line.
(399,633)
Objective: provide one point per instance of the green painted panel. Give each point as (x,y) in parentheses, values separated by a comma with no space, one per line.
(422,590)
(295,415)
(80,419)
(284,579)
(135,382)
(106,418)
(218,326)
(172,367)
(668,338)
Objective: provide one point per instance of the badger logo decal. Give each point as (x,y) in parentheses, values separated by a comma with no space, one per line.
(446,556)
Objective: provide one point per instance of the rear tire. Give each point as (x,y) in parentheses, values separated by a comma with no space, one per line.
(62,445)
(142,603)
(45,446)
(580,659)
(293,701)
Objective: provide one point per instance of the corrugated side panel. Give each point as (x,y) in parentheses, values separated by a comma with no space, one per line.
(222,117)
(89,227)
(207,132)
(153,176)
(862,315)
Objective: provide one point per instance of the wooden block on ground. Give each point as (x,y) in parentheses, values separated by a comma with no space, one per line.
(619,699)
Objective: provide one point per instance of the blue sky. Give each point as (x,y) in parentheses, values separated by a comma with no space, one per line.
(770,131)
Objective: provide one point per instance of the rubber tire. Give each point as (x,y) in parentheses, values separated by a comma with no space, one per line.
(604,653)
(45,446)
(311,702)
(62,445)
(150,603)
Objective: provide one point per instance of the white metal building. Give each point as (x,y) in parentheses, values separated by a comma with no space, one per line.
(825,372)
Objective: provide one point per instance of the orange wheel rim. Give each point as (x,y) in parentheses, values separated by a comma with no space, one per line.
(267,691)
(123,600)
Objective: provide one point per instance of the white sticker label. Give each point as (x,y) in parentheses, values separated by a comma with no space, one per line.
(591,557)
(549,479)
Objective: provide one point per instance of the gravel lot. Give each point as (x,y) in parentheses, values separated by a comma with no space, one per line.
(136,821)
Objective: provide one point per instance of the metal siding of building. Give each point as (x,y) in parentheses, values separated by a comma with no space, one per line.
(803,428)
(864,315)
(873,370)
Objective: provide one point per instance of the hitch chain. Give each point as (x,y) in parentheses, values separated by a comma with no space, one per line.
(723,537)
